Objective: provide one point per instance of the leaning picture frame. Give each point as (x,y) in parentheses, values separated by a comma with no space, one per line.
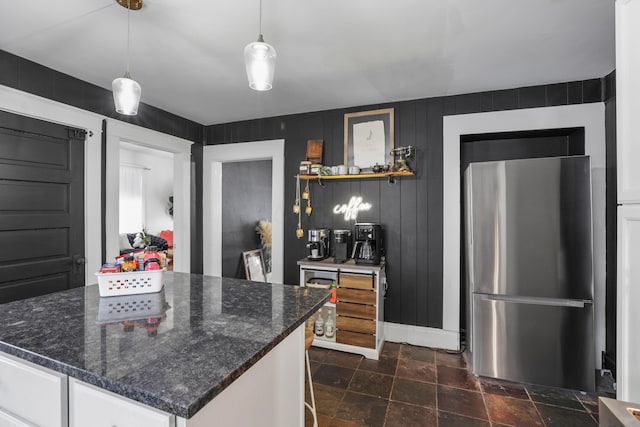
(368,138)
(254,265)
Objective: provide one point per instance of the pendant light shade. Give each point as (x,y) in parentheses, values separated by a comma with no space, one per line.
(260,61)
(126,91)
(126,95)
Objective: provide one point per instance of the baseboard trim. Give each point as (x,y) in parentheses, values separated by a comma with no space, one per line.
(422,336)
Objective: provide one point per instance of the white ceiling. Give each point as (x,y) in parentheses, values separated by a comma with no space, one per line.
(188,55)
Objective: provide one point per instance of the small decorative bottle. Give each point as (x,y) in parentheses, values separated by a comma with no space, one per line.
(334,293)
(319,327)
(329,325)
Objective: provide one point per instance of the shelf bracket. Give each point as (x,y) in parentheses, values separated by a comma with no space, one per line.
(392,179)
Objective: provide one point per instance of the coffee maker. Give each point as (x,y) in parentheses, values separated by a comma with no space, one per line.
(341,246)
(318,244)
(368,244)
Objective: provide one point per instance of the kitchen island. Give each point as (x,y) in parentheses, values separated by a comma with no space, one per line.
(203,349)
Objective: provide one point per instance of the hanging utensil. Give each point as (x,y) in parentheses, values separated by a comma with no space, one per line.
(308,209)
(296,204)
(296,209)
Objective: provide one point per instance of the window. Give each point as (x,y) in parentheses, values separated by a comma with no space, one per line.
(132,198)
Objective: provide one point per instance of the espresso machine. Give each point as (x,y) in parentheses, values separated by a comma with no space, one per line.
(368,244)
(318,244)
(341,246)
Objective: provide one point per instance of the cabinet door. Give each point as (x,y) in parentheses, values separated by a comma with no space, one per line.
(360,311)
(358,281)
(628,314)
(10,420)
(627,99)
(364,326)
(356,296)
(91,406)
(22,384)
(355,338)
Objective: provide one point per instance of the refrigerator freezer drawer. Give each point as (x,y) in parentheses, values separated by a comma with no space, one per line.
(549,344)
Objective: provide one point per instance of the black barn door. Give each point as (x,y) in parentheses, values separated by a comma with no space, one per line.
(41,207)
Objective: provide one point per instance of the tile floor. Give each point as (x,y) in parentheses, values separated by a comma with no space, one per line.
(416,386)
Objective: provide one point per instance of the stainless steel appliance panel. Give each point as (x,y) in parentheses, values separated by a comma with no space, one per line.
(529,227)
(541,341)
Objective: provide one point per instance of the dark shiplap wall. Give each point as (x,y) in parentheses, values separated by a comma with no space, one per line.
(411,209)
(27,76)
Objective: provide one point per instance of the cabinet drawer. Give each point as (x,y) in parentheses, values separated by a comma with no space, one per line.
(355,338)
(9,420)
(357,281)
(88,404)
(356,325)
(356,310)
(23,385)
(357,296)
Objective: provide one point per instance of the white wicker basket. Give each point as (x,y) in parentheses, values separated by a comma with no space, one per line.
(130,282)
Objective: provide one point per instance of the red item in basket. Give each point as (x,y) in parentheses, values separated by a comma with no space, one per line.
(110,268)
(151,259)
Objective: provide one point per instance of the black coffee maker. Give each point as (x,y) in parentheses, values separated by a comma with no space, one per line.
(341,246)
(368,244)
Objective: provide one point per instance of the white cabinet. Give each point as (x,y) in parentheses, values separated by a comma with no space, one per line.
(628,99)
(628,344)
(358,313)
(31,395)
(628,170)
(91,406)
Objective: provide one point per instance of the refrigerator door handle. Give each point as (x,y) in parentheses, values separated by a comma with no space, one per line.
(558,302)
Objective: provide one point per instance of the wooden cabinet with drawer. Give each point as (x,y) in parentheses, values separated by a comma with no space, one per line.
(359,307)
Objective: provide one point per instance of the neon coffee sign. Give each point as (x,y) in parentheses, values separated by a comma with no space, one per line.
(350,210)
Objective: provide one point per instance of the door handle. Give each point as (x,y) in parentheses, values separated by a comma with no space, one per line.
(558,302)
(79,260)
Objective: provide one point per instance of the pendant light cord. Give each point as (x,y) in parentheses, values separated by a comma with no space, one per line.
(260,21)
(128,34)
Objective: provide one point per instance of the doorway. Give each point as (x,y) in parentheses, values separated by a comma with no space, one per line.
(146,192)
(180,152)
(214,156)
(587,116)
(246,200)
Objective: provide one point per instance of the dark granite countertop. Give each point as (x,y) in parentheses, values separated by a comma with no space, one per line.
(178,349)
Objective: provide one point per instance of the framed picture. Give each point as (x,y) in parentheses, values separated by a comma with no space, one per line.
(368,138)
(254,265)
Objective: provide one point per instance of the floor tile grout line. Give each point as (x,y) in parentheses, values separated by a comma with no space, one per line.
(467,416)
(386,415)
(484,401)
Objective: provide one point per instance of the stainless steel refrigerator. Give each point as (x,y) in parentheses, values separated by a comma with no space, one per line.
(529,270)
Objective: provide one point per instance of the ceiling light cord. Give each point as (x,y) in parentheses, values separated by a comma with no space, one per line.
(129,36)
(260,20)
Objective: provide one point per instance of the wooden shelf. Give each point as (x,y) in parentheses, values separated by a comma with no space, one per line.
(358,176)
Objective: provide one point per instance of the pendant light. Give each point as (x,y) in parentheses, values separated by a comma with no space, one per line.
(126,91)
(260,61)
